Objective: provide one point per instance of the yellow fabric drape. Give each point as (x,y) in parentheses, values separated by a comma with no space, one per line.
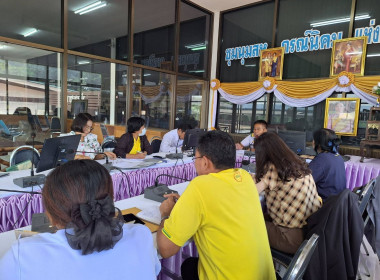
(305,89)
(241,88)
(301,90)
(367,83)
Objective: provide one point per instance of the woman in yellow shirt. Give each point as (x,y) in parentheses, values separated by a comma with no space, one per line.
(134,144)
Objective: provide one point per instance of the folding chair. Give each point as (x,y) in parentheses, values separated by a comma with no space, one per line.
(301,259)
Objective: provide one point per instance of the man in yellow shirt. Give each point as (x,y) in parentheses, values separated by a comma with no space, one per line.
(221,210)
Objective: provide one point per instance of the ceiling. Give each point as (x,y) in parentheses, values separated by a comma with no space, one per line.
(221,5)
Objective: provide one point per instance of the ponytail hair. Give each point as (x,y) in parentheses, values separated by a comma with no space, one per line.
(78,196)
(326,140)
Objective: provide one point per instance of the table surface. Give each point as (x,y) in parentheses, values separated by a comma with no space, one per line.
(7,181)
(9,237)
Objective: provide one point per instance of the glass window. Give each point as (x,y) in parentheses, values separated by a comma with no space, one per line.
(32,21)
(240,118)
(189,100)
(153,42)
(88,33)
(193,41)
(122,93)
(152,97)
(311,63)
(245,27)
(88,80)
(371,8)
(29,85)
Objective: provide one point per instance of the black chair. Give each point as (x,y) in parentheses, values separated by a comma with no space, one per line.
(301,259)
(366,195)
(156,143)
(109,143)
(41,127)
(24,153)
(55,125)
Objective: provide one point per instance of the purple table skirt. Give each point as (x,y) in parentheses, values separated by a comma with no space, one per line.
(358,173)
(129,184)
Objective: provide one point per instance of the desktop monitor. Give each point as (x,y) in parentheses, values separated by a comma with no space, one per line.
(55,151)
(191,138)
(295,140)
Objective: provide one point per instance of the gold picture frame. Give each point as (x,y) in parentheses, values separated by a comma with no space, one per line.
(271,63)
(341,115)
(348,55)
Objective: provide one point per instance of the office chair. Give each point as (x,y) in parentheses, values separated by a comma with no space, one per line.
(24,153)
(55,126)
(156,143)
(108,143)
(41,127)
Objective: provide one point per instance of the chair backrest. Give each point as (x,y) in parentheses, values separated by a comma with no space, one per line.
(4,128)
(55,124)
(104,130)
(366,195)
(24,153)
(156,143)
(47,121)
(301,259)
(32,121)
(37,121)
(109,143)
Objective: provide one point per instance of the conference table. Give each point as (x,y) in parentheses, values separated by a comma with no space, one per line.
(171,266)
(16,209)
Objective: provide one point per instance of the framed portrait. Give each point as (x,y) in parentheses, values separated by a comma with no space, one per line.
(348,55)
(271,63)
(341,115)
(78,106)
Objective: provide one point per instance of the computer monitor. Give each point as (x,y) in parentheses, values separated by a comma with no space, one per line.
(55,151)
(191,138)
(295,140)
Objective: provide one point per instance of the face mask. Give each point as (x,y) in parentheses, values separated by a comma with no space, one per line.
(143,132)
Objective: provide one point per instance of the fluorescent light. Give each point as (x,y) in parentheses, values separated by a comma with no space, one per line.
(195,46)
(146,75)
(339,20)
(30,32)
(250,65)
(83,62)
(91,7)
(199,48)
(373,55)
(197,71)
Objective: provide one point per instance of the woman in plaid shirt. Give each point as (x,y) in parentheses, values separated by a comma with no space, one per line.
(290,191)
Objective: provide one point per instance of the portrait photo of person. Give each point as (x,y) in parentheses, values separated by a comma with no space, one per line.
(271,63)
(348,55)
(341,115)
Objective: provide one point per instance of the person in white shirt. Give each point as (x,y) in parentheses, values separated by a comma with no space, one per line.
(259,127)
(92,241)
(172,141)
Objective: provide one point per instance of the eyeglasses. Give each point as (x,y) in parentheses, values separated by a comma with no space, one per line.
(89,127)
(194,158)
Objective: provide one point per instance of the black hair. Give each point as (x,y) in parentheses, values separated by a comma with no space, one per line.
(78,195)
(184,126)
(326,140)
(219,147)
(262,122)
(134,124)
(80,121)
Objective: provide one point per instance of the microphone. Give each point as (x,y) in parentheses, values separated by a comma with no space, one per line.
(5,190)
(31,180)
(158,191)
(175,155)
(107,165)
